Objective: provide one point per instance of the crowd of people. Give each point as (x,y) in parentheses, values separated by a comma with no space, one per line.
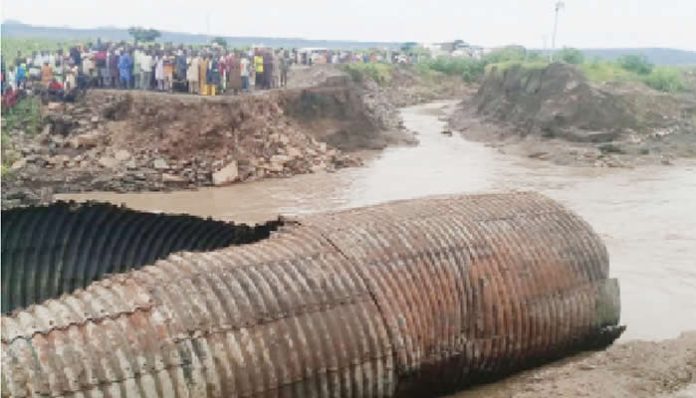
(209,70)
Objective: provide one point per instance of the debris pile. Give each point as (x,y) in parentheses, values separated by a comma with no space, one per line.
(114,141)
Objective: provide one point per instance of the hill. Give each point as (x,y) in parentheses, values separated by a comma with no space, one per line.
(658,56)
(15,29)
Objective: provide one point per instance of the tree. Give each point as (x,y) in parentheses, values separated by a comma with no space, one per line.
(570,56)
(220,41)
(636,63)
(142,34)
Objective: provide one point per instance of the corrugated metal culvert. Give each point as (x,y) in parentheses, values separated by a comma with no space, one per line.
(410,298)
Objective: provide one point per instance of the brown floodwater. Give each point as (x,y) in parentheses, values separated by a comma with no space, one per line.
(646,216)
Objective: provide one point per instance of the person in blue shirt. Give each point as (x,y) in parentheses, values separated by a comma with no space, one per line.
(21,75)
(125,68)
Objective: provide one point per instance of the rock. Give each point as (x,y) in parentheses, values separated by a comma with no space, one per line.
(160,164)
(122,155)
(108,162)
(226,175)
(279,159)
(54,106)
(19,164)
(131,165)
(539,155)
(172,178)
(59,160)
(88,140)
(94,119)
(447,132)
(46,131)
(294,153)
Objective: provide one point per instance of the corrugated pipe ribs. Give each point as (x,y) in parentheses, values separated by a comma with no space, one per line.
(409,298)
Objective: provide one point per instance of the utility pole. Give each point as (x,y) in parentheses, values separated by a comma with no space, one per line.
(559,6)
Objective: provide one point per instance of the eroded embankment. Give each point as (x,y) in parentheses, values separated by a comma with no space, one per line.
(133,141)
(555,113)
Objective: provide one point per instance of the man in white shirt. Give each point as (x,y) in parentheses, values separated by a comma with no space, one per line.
(244,71)
(145,70)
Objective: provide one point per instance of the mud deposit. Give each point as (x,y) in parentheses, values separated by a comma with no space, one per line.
(645,215)
(555,113)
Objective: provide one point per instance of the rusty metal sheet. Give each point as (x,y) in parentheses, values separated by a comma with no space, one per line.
(408,298)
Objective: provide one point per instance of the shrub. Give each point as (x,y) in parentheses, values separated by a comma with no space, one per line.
(665,79)
(636,64)
(511,53)
(380,73)
(605,71)
(468,68)
(570,56)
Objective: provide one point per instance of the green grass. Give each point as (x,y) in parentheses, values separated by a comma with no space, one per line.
(26,116)
(527,65)
(26,46)
(604,71)
(665,79)
(380,73)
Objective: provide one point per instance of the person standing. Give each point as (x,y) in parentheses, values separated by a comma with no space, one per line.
(136,67)
(258,69)
(168,67)
(203,74)
(46,74)
(70,76)
(244,73)
(145,70)
(284,68)
(192,74)
(213,75)
(159,72)
(235,73)
(125,66)
(12,77)
(180,67)
(113,68)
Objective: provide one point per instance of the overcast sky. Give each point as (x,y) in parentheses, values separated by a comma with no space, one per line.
(583,23)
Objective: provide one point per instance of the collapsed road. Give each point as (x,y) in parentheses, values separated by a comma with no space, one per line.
(400,299)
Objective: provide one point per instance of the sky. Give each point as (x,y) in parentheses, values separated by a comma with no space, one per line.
(582,23)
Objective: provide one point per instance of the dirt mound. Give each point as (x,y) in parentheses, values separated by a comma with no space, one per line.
(133,141)
(555,113)
(556,101)
(347,115)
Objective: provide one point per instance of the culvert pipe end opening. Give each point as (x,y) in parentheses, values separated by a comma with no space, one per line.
(401,299)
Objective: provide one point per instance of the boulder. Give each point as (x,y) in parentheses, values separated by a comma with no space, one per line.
(55,106)
(160,164)
(108,162)
(19,164)
(173,179)
(227,174)
(87,140)
(122,155)
(294,153)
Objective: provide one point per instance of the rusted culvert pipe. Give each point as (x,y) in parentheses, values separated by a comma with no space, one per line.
(407,298)
(51,250)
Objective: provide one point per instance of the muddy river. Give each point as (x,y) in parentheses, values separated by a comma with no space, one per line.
(647,216)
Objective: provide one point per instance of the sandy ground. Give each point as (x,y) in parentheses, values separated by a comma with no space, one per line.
(634,369)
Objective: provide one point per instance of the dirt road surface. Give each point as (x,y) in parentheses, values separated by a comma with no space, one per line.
(627,370)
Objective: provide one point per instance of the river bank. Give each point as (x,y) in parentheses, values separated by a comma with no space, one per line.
(640,213)
(645,215)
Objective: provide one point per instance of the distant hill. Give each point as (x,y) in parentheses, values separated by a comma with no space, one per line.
(658,56)
(11,28)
